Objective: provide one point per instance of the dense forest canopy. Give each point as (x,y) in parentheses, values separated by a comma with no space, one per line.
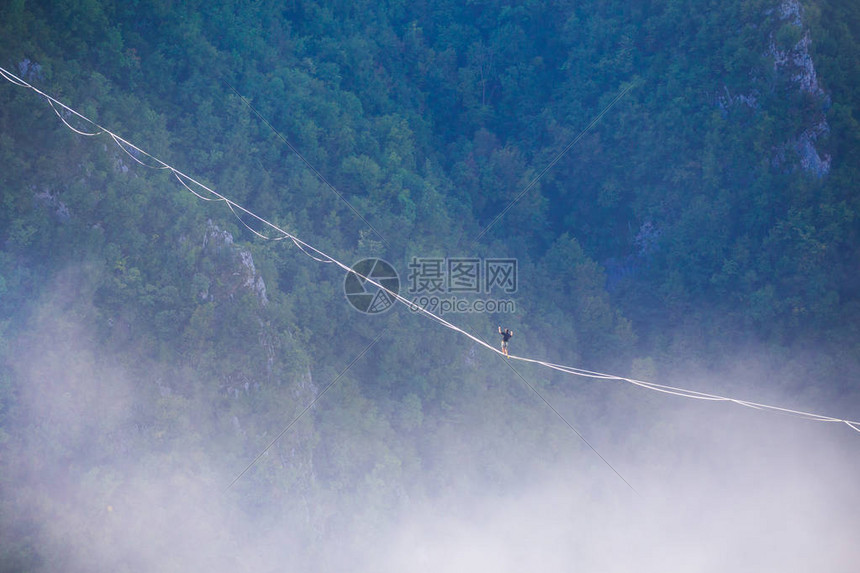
(676,181)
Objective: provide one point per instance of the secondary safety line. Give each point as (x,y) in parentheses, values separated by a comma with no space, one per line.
(322,257)
(569,425)
(553,162)
(308,407)
(306,162)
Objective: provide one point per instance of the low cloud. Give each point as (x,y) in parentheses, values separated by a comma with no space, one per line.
(720,488)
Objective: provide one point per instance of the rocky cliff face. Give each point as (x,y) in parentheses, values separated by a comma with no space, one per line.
(238,272)
(789,50)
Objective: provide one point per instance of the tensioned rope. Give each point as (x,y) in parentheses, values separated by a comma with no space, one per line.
(208,194)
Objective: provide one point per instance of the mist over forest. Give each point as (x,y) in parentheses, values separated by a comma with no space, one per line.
(674,184)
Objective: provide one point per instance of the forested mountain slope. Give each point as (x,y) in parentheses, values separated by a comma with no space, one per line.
(152,346)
